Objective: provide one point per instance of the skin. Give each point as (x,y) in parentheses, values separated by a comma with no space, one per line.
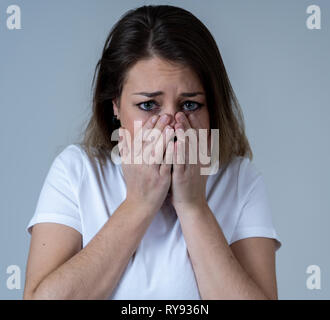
(172,80)
(248,265)
(157,75)
(62,270)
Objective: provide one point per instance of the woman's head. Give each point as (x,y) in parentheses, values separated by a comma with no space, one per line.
(155,86)
(163,48)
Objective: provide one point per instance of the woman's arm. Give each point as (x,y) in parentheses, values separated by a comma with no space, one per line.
(246,270)
(59,269)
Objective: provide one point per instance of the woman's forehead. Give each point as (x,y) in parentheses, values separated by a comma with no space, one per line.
(155,75)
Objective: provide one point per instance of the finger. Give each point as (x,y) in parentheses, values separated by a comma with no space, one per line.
(182,118)
(179,151)
(179,131)
(192,148)
(195,123)
(160,125)
(165,167)
(153,136)
(149,126)
(183,140)
(191,131)
(142,132)
(161,145)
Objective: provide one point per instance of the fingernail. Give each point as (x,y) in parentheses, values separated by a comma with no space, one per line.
(164,118)
(154,119)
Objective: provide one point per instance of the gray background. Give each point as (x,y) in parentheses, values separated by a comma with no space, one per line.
(278,68)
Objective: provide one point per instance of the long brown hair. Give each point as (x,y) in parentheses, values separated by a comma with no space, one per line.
(176,35)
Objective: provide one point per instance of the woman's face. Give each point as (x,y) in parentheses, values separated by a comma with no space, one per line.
(169,82)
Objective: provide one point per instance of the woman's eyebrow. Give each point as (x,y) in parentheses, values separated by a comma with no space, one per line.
(157,93)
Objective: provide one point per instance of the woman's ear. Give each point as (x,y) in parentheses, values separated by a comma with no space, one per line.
(115,105)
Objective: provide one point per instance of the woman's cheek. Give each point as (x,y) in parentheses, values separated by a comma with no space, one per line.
(204,120)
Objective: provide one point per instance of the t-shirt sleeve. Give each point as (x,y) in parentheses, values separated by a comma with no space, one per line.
(255,219)
(58,200)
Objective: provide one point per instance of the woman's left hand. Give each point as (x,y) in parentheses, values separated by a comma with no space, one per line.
(188,187)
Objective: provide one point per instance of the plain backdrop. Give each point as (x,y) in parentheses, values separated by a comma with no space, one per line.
(278,68)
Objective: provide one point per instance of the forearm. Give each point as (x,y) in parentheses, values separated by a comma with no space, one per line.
(218,273)
(94,272)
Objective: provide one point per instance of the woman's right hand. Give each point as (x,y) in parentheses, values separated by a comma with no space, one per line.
(149,180)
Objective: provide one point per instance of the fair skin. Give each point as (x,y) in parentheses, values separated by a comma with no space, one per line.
(62,269)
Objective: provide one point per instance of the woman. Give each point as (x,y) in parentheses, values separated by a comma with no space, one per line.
(155,230)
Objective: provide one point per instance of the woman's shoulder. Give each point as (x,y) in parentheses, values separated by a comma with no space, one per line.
(71,151)
(243,167)
(245,173)
(76,153)
(70,161)
(82,163)
(240,171)
(72,154)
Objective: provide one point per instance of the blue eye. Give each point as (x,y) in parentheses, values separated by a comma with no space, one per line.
(145,106)
(196,105)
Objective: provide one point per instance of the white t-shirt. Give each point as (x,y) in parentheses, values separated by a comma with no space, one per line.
(77,194)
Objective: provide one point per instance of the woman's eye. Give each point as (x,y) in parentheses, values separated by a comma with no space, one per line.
(188,105)
(192,105)
(145,106)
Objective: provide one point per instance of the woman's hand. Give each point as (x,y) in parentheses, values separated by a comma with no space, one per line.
(188,187)
(148,180)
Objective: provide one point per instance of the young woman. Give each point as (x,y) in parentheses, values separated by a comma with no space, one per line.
(109,230)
